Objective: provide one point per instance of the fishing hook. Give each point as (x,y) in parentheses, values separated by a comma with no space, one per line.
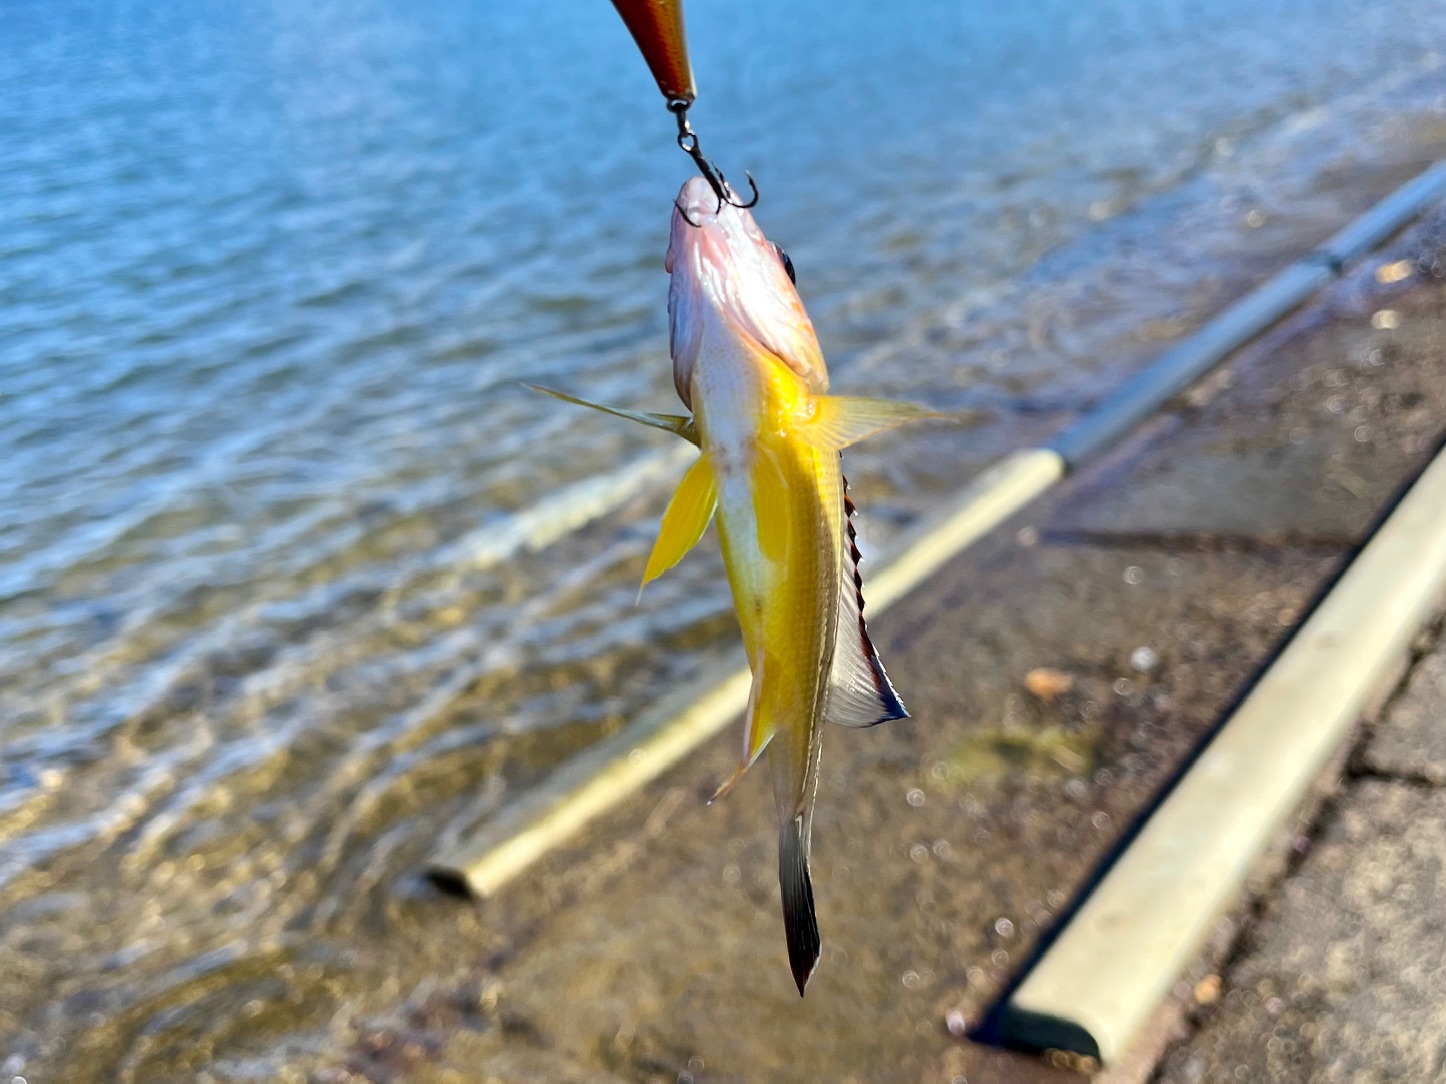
(688,142)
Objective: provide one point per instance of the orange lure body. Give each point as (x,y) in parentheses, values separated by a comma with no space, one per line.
(657,27)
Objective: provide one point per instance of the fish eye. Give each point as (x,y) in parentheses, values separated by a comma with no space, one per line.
(787,263)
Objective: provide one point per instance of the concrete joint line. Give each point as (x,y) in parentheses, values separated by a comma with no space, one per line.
(1113,965)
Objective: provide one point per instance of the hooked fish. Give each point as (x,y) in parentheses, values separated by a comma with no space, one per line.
(747,365)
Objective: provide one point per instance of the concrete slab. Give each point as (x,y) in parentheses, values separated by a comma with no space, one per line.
(936,868)
(1411,740)
(1155,911)
(1306,434)
(1342,981)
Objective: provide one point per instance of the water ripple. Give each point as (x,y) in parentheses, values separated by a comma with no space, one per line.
(297,580)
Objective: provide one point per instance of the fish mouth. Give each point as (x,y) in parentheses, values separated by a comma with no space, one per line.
(700,218)
(696,199)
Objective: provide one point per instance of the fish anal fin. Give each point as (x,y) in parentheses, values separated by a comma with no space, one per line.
(859,691)
(676,424)
(684,521)
(800,922)
(755,738)
(738,773)
(837,421)
(728,784)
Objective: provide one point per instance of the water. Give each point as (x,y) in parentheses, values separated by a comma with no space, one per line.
(295,578)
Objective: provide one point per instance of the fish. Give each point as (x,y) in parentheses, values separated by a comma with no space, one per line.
(748,368)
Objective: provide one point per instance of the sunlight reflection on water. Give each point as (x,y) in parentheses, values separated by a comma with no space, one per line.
(295,577)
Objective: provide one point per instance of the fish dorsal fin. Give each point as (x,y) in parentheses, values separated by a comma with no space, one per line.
(859,691)
(669,423)
(836,421)
(685,520)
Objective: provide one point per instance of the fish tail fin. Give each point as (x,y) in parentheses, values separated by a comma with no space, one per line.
(800,923)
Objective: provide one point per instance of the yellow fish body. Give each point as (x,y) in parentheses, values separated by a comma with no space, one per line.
(747,364)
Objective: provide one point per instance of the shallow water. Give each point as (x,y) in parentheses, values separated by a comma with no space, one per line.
(296,579)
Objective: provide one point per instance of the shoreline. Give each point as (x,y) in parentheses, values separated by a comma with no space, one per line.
(404,981)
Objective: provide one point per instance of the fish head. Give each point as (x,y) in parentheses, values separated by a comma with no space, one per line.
(727,276)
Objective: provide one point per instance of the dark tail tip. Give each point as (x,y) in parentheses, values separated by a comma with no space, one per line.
(800,924)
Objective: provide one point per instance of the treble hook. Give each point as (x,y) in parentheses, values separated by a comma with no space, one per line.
(688,141)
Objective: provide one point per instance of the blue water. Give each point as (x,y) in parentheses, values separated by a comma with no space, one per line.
(296,578)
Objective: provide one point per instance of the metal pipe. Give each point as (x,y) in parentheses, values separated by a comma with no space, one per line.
(1141,395)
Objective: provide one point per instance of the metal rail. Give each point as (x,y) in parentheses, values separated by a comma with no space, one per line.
(1098,984)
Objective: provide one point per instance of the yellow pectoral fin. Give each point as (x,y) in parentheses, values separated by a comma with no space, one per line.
(669,423)
(840,420)
(683,523)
